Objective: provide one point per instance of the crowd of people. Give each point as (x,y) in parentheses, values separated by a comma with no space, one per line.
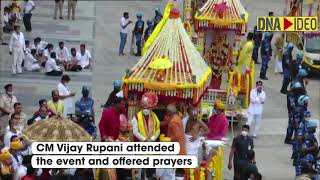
(42,55)
(180,123)
(15,154)
(242,154)
(140,34)
(301,127)
(12,15)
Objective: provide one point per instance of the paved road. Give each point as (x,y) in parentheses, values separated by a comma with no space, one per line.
(97,25)
(30,87)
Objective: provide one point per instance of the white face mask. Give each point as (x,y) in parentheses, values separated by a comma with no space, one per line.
(146,112)
(244,133)
(16,128)
(10,92)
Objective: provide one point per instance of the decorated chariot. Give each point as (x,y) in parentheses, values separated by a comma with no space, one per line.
(173,68)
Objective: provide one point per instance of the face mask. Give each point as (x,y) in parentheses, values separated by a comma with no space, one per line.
(311,131)
(9,93)
(244,133)
(214,111)
(146,112)
(18,128)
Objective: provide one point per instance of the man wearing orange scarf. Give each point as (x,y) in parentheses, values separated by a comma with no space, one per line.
(146,126)
(175,128)
(176,133)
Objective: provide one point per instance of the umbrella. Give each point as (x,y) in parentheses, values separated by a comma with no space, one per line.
(161,63)
(56,129)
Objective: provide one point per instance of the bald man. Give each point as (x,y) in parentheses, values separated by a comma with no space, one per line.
(56,105)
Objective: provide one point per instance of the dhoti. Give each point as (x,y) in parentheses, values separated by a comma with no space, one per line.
(192,147)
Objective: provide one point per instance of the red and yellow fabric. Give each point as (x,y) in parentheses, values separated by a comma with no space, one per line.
(245,57)
(216,164)
(189,75)
(240,82)
(196,174)
(230,16)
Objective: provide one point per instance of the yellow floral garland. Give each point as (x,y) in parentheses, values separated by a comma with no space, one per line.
(157,30)
(172,86)
(216,164)
(222,22)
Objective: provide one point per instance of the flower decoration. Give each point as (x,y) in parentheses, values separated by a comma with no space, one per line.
(174,13)
(161,63)
(5,155)
(220,9)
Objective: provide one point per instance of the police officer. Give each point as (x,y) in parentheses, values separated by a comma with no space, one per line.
(138,32)
(149,30)
(302,77)
(303,101)
(299,58)
(306,168)
(303,124)
(157,17)
(257,38)
(296,90)
(297,154)
(300,111)
(266,54)
(303,129)
(286,59)
(310,145)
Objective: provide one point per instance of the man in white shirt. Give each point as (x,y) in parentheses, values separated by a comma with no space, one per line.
(13,129)
(28,8)
(124,22)
(7,101)
(39,45)
(51,67)
(27,47)
(17,48)
(72,65)
(85,57)
(47,52)
(30,62)
(21,123)
(66,95)
(257,98)
(62,53)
